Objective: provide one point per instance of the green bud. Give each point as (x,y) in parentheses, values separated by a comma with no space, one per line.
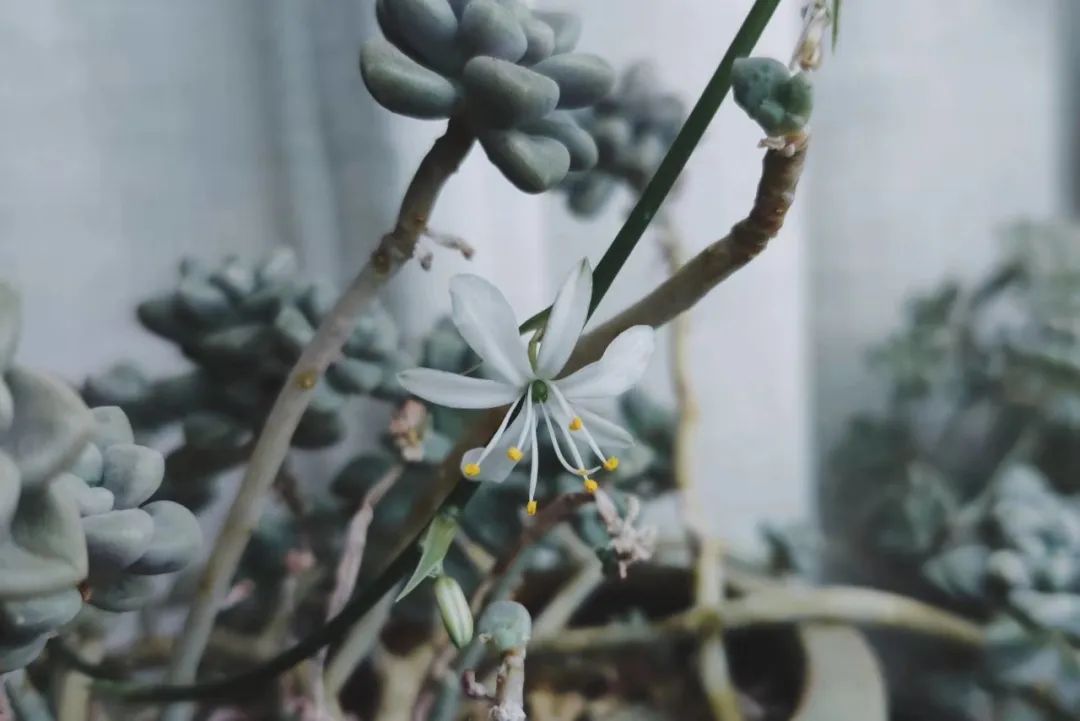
(506,625)
(454,609)
(779,101)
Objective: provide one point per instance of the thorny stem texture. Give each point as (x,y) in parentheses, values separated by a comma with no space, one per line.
(393,251)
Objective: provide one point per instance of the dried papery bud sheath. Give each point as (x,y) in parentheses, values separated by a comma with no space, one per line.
(454,608)
(505,69)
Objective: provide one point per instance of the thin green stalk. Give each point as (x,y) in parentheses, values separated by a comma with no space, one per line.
(673,163)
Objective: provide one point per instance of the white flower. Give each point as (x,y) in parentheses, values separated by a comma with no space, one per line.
(528,381)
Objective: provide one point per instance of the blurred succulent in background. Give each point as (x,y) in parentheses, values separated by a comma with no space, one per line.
(965,489)
(71,481)
(507,71)
(633,128)
(243,327)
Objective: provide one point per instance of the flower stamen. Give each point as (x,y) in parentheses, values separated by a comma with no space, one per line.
(576,424)
(531,508)
(472,470)
(514,453)
(498,434)
(555,441)
(534,473)
(591,485)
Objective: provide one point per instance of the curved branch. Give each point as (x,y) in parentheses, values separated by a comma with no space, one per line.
(854,606)
(392,253)
(748,238)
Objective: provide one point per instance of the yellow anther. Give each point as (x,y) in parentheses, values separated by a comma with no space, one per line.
(472,469)
(611,464)
(576,425)
(514,453)
(531,508)
(591,485)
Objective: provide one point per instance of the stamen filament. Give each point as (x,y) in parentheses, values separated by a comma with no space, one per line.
(608,463)
(555,440)
(529,421)
(534,472)
(498,434)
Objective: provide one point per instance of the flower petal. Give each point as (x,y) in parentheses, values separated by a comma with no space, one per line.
(497,467)
(487,323)
(456,391)
(568,315)
(621,366)
(608,434)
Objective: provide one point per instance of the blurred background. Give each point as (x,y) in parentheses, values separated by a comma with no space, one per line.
(942,176)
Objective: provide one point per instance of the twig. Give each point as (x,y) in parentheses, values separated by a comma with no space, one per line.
(561,607)
(552,515)
(782,606)
(510,688)
(344,582)
(775,194)
(709,584)
(494,584)
(73,694)
(393,251)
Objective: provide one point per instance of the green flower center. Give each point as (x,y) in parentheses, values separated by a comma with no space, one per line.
(539,391)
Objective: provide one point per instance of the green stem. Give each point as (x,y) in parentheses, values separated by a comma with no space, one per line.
(673,163)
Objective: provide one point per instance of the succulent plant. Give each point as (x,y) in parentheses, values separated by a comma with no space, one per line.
(505,625)
(633,128)
(779,101)
(243,327)
(71,480)
(966,487)
(508,71)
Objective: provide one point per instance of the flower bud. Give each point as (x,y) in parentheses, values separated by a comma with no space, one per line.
(454,609)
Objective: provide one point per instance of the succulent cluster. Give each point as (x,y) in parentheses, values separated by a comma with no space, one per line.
(508,71)
(243,327)
(71,481)
(633,128)
(967,487)
(779,101)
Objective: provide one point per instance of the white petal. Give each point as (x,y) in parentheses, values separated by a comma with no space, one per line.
(497,466)
(621,366)
(456,391)
(608,435)
(568,316)
(487,323)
